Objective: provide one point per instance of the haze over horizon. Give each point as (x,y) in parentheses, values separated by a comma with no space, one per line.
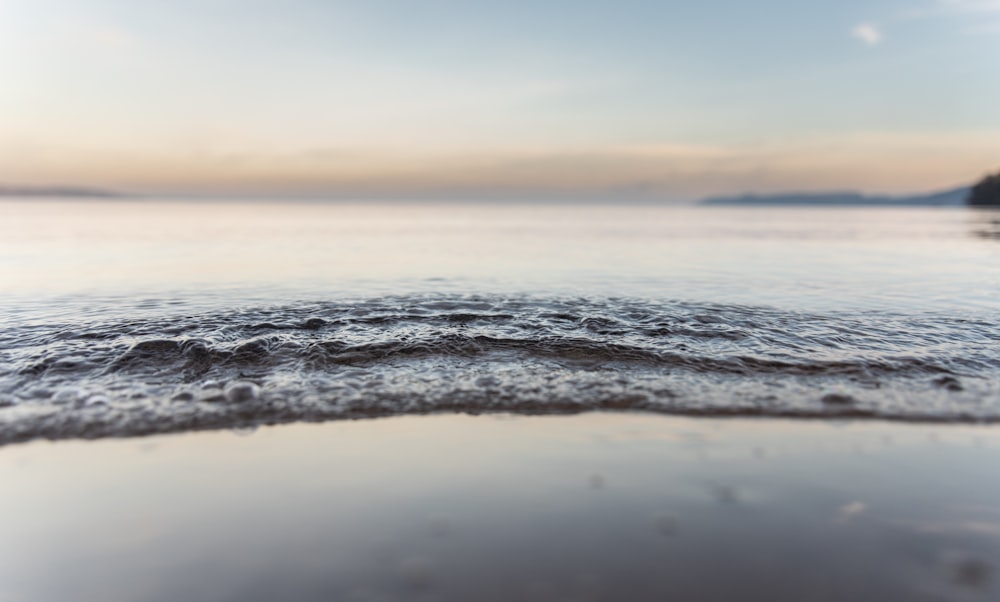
(450,99)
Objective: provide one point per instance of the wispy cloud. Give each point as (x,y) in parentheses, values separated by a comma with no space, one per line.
(939,8)
(979,12)
(978,9)
(971,6)
(867,33)
(849,511)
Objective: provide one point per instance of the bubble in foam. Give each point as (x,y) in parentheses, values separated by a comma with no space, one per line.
(242,391)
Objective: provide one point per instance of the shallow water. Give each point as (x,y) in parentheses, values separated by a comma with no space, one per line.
(598,507)
(133,317)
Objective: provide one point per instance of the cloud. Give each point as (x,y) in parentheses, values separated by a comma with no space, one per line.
(849,511)
(867,33)
(979,9)
(939,8)
(971,6)
(978,16)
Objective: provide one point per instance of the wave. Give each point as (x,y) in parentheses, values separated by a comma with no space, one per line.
(420,354)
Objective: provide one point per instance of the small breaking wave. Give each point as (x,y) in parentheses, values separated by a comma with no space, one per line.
(422,354)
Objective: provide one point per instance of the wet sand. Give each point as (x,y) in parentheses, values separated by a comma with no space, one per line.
(601,506)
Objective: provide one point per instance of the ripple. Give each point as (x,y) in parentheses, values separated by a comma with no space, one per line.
(419,354)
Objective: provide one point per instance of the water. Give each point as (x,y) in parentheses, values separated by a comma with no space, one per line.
(133,317)
(592,507)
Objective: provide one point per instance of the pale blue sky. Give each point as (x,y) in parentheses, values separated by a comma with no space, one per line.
(368,98)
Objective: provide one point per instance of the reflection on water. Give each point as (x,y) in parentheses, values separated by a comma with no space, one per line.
(591,507)
(986,224)
(56,255)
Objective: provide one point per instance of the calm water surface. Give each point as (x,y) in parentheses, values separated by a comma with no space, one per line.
(801,259)
(597,508)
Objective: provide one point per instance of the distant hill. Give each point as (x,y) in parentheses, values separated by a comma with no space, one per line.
(56,191)
(948,198)
(986,193)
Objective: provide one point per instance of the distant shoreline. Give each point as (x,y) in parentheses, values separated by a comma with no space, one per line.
(59,191)
(956,197)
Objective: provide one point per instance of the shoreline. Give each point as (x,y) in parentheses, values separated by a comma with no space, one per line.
(225,423)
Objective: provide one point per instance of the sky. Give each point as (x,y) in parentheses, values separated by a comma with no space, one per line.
(574,99)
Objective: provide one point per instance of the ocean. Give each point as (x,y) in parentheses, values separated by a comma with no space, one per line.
(262,400)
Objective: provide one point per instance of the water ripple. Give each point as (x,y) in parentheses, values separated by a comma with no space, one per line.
(418,354)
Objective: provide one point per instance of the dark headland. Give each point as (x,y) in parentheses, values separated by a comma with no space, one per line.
(984,193)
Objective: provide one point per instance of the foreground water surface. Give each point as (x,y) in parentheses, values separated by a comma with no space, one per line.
(595,507)
(134,317)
